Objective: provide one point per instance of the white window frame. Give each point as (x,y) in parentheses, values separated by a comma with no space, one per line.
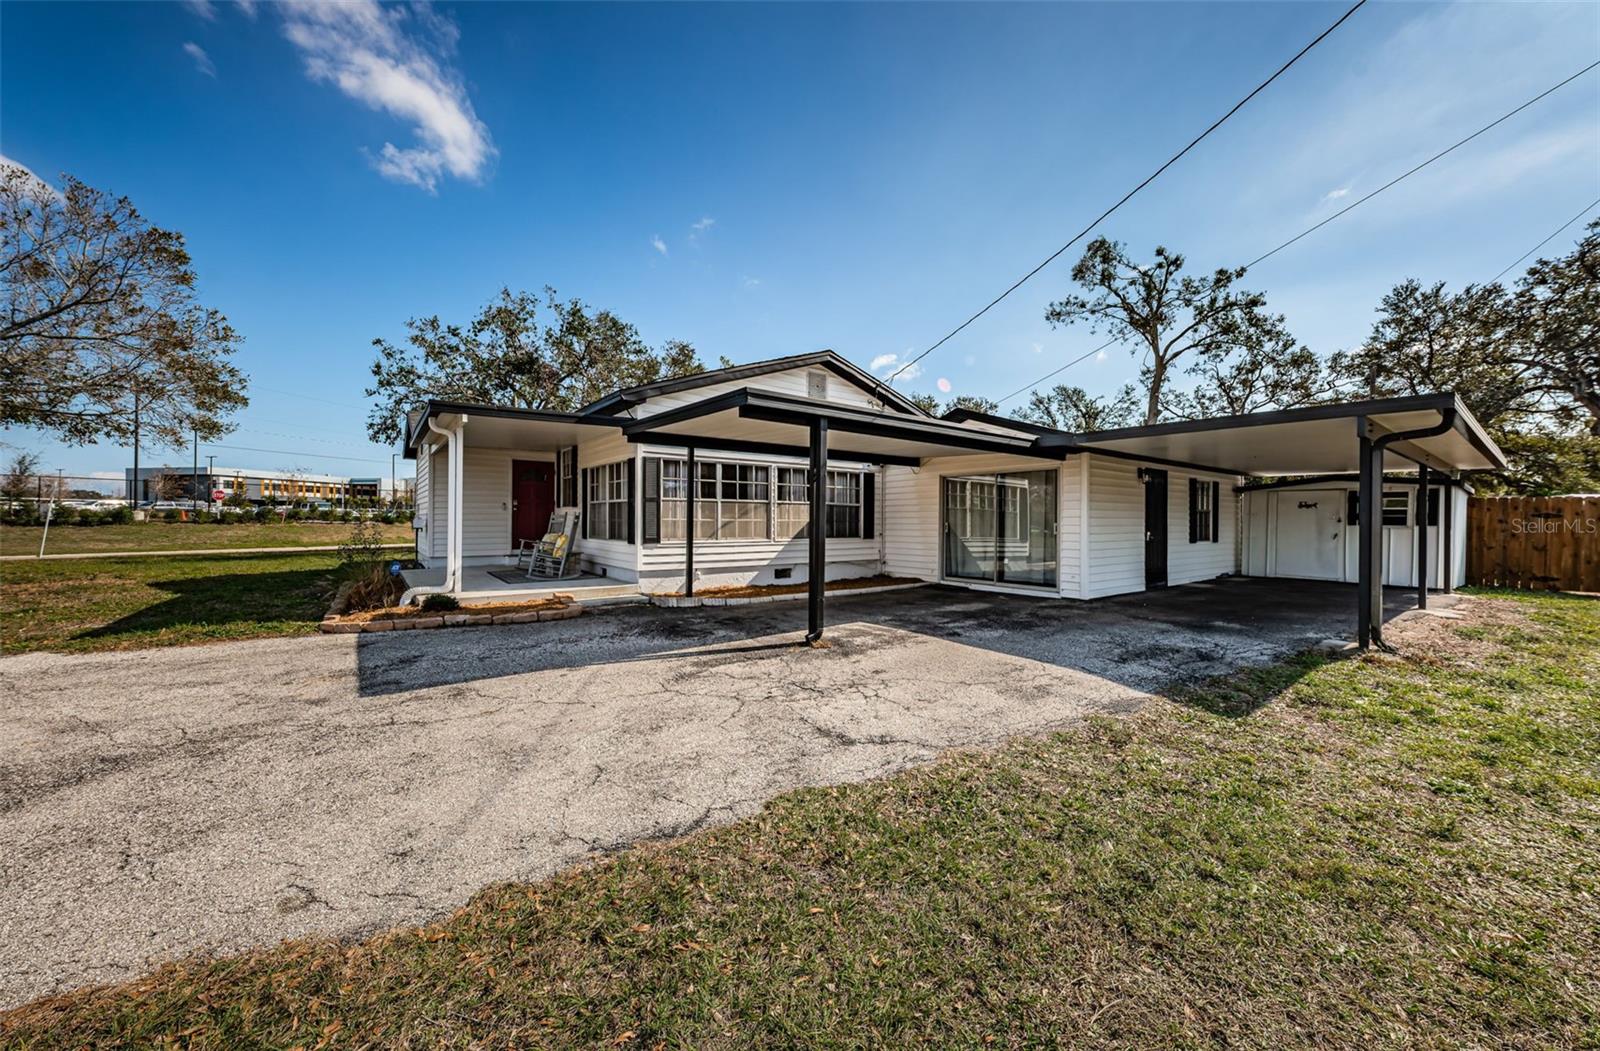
(782,483)
(608,488)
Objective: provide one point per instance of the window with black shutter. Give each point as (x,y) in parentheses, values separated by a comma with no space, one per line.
(650,500)
(1203,511)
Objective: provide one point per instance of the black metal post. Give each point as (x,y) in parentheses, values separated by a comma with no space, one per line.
(194,473)
(1368,509)
(133,486)
(1447,510)
(1422,536)
(816,575)
(688,528)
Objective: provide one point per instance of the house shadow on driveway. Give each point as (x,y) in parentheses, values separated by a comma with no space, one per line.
(1145,642)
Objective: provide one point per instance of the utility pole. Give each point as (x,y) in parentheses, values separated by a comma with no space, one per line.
(211,481)
(394,493)
(133,485)
(194,472)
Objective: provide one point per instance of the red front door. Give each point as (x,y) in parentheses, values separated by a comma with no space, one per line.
(533,499)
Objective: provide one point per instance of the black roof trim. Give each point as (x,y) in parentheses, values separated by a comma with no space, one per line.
(621,399)
(963,415)
(1434,478)
(783,408)
(505,412)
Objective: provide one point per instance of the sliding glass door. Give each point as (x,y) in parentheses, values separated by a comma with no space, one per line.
(1001,528)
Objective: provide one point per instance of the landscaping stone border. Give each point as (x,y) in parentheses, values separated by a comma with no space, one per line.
(464,618)
(691,601)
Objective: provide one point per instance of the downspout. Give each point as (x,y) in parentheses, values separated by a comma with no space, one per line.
(452,562)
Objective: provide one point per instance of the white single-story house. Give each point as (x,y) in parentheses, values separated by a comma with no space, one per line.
(969,499)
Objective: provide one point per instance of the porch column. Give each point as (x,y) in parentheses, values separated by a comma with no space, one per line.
(688,529)
(816,575)
(1369,509)
(455,505)
(1422,536)
(1447,510)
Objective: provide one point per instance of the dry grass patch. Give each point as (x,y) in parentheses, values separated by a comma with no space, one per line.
(1392,851)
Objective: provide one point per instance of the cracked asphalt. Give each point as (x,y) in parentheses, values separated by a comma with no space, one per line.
(155,803)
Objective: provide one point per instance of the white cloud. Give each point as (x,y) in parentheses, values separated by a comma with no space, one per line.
(42,184)
(392,60)
(1334,195)
(659,245)
(889,364)
(1100,355)
(246,7)
(943,385)
(705,223)
(1038,348)
(751,282)
(202,8)
(202,61)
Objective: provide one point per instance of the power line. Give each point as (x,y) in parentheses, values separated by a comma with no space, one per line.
(1368,197)
(1424,164)
(1547,240)
(1053,256)
(290,452)
(310,397)
(1057,372)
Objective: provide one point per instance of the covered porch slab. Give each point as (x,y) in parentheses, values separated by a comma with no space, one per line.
(478,584)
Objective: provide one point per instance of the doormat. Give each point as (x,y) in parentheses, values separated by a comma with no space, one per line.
(516,576)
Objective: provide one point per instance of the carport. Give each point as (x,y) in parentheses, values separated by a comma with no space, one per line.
(1424,433)
(748,420)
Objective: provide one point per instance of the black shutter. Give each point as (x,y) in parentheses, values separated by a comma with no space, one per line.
(628,489)
(583,483)
(869,504)
(651,502)
(1194,509)
(1433,507)
(1216,512)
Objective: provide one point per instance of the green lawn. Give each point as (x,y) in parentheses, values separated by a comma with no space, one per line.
(1376,852)
(120,603)
(180,536)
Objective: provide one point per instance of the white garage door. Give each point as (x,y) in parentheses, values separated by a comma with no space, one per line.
(1310,534)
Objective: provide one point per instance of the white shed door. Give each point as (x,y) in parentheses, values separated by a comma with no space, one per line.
(1310,534)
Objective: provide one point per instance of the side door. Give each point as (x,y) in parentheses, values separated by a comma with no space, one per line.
(1155,527)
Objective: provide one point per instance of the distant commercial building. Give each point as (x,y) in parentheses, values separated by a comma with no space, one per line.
(256,485)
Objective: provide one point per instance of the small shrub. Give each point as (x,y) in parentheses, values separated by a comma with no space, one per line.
(440,604)
(365,563)
(170,516)
(119,516)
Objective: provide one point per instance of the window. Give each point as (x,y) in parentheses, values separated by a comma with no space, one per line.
(844,504)
(1001,528)
(608,502)
(567,476)
(1396,507)
(1204,507)
(793,504)
(750,501)
(732,502)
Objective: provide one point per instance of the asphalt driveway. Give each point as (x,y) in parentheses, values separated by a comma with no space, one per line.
(159,802)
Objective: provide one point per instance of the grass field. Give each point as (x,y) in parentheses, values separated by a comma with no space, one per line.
(1392,851)
(180,536)
(121,603)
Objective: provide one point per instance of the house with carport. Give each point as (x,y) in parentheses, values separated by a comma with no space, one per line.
(807,469)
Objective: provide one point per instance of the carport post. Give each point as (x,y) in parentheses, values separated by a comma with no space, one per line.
(1422,536)
(1368,584)
(817,531)
(688,529)
(1447,510)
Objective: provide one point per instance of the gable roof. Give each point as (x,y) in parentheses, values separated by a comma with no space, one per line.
(617,401)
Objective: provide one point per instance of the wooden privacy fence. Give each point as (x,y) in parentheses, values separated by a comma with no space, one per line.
(1541,543)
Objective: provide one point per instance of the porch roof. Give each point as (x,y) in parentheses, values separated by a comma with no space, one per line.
(779,423)
(533,429)
(1319,439)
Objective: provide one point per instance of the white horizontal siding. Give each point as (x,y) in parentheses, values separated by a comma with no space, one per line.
(1259,542)
(616,558)
(1115,558)
(912,515)
(423,497)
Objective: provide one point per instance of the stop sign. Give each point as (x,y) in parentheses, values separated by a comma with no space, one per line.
(219,494)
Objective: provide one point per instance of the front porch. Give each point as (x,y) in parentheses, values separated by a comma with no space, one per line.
(478,584)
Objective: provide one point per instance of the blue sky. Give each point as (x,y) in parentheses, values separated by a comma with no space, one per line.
(771,179)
